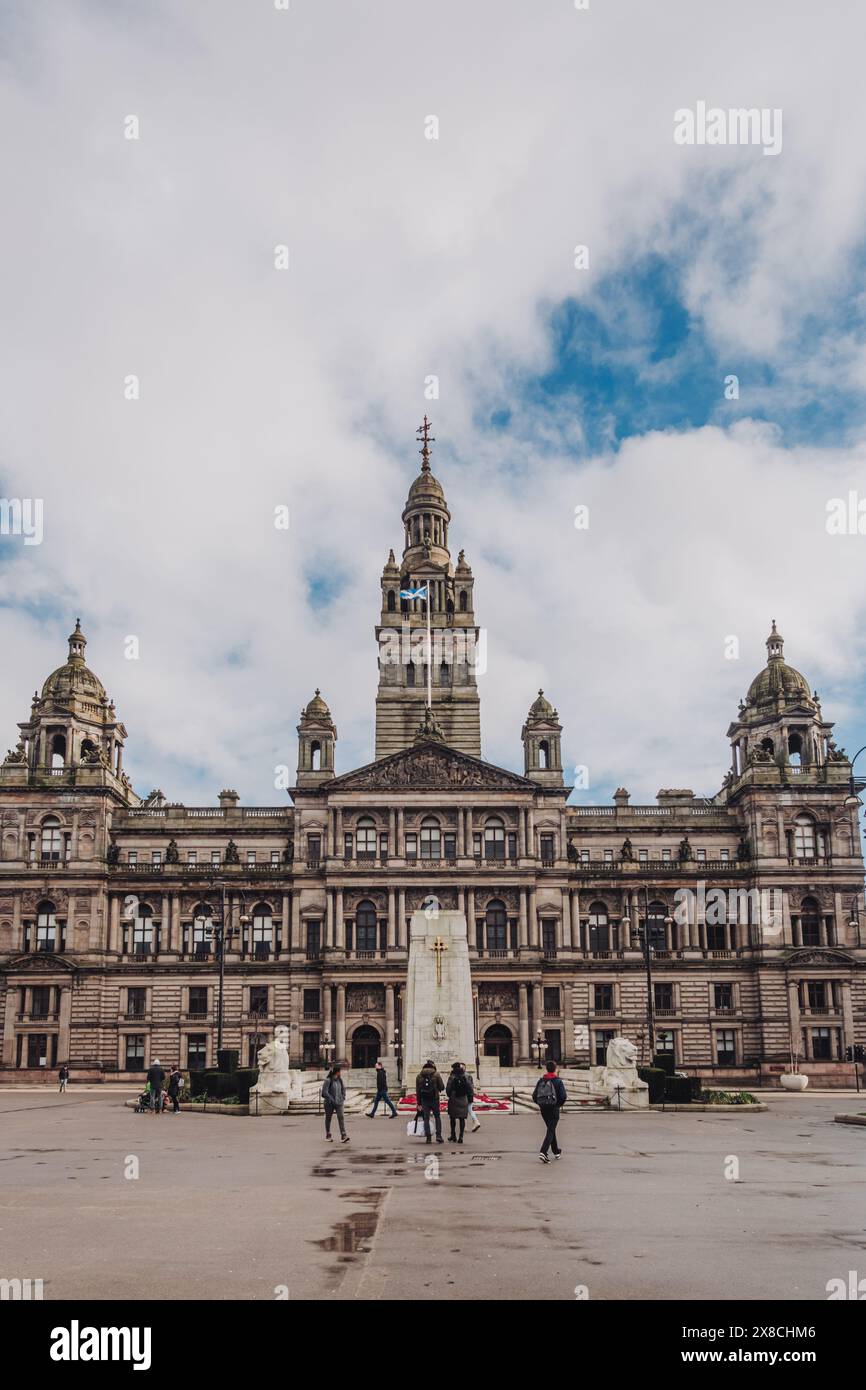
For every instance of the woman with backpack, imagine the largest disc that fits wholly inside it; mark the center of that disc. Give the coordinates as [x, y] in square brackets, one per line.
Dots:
[460, 1096]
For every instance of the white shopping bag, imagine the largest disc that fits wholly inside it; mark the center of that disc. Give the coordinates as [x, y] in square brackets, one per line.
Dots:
[415, 1128]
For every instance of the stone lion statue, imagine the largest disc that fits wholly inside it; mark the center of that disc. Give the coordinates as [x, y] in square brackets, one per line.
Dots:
[621, 1053]
[272, 1061]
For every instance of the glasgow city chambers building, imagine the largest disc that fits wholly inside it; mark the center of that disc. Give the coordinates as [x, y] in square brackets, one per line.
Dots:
[725, 930]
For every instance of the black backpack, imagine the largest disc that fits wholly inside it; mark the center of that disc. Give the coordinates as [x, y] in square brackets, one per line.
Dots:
[459, 1086]
[426, 1085]
[545, 1092]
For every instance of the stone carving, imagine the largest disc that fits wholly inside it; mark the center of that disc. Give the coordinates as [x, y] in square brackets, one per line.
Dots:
[277, 1084]
[760, 755]
[172, 854]
[18, 754]
[440, 1028]
[626, 852]
[685, 850]
[365, 999]
[430, 767]
[493, 998]
[232, 855]
[113, 853]
[618, 1078]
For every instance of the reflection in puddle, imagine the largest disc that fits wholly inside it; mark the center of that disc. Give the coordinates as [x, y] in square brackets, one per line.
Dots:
[352, 1236]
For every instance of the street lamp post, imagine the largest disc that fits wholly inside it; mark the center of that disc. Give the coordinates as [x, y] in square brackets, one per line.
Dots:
[327, 1049]
[397, 1048]
[222, 934]
[640, 940]
[539, 1047]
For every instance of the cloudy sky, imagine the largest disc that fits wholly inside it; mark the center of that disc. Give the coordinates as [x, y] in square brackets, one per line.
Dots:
[411, 257]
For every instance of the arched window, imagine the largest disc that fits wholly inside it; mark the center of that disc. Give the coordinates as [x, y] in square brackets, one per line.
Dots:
[46, 927]
[444, 674]
[795, 750]
[464, 601]
[494, 839]
[316, 756]
[142, 930]
[599, 927]
[768, 746]
[810, 923]
[410, 674]
[52, 843]
[263, 930]
[202, 929]
[58, 750]
[431, 838]
[655, 924]
[365, 838]
[804, 837]
[392, 601]
[543, 753]
[365, 926]
[496, 921]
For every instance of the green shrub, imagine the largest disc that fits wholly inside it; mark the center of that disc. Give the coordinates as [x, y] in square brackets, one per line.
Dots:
[227, 1059]
[666, 1062]
[197, 1085]
[678, 1090]
[655, 1078]
[728, 1098]
[244, 1078]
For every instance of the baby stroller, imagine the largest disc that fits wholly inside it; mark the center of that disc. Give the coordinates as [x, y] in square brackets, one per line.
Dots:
[143, 1103]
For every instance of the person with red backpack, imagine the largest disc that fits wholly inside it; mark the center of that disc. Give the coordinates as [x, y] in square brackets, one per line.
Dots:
[428, 1087]
[550, 1096]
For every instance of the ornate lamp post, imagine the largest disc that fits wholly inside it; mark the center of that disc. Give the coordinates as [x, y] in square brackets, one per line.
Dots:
[327, 1050]
[397, 1049]
[539, 1047]
[640, 940]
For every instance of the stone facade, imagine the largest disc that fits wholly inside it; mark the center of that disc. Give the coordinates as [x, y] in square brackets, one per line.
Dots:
[112, 907]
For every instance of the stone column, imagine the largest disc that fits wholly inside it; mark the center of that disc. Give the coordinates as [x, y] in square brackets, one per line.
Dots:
[847, 1016]
[794, 1010]
[295, 1047]
[340, 1039]
[338, 831]
[523, 1057]
[165, 924]
[521, 833]
[401, 918]
[400, 849]
[329, 917]
[389, 1017]
[339, 924]
[175, 936]
[392, 831]
[286, 933]
[114, 938]
[530, 833]
[470, 918]
[17, 935]
[392, 918]
[566, 919]
[532, 907]
[787, 937]
[522, 933]
[296, 941]
[469, 846]
[537, 1009]
[461, 836]
[64, 1030]
[327, 1018]
[9, 1026]
[568, 1051]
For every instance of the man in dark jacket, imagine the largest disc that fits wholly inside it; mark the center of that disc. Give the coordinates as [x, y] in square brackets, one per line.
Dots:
[382, 1093]
[550, 1096]
[460, 1096]
[334, 1095]
[156, 1077]
[175, 1082]
[63, 1077]
[428, 1088]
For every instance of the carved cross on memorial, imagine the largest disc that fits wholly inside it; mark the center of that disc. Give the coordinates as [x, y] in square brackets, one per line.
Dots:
[438, 946]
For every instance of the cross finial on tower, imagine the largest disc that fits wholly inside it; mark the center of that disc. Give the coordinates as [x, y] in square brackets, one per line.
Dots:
[425, 438]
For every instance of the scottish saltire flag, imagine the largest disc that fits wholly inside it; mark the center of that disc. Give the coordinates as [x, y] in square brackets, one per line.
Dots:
[414, 593]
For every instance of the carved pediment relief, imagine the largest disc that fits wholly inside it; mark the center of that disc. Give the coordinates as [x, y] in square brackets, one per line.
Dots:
[430, 767]
[39, 963]
[819, 957]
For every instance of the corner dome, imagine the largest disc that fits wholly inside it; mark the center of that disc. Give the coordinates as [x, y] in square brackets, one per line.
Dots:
[316, 709]
[74, 680]
[541, 708]
[778, 681]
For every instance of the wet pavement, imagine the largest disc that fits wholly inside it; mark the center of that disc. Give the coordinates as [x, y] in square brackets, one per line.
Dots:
[99, 1202]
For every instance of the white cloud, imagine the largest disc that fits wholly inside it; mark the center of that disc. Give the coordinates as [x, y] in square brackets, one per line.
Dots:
[408, 257]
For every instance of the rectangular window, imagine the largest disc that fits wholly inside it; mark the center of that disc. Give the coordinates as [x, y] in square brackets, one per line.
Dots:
[716, 937]
[383, 846]
[548, 937]
[816, 994]
[311, 1049]
[196, 1052]
[314, 940]
[476, 844]
[215, 856]
[642, 856]
[664, 996]
[259, 999]
[157, 857]
[666, 856]
[723, 997]
[136, 1002]
[412, 846]
[251, 856]
[512, 845]
[584, 856]
[40, 1003]
[192, 856]
[348, 841]
[314, 848]
[553, 1038]
[608, 856]
[665, 1041]
[702, 856]
[547, 850]
[551, 1000]
[135, 1051]
[132, 856]
[822, 1044]
[726, 1047]
[723, 855]
[198, 1001]
[603, 997]
[450, 845]
[275, 856]
[312, 1003]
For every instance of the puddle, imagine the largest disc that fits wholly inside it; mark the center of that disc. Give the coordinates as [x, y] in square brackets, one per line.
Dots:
[353, 1235]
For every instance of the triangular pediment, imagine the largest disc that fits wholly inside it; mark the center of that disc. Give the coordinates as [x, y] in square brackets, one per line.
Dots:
[430, 766]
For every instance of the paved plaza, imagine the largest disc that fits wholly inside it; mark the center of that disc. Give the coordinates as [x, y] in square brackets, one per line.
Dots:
[233, 1208]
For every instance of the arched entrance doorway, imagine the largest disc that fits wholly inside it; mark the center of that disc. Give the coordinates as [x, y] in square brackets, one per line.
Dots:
[365, 1047]
[498, 1042]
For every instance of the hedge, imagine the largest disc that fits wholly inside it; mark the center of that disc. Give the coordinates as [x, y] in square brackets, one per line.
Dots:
[655, 1078]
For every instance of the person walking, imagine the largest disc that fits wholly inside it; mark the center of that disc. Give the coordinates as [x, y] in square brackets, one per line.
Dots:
[550, 1096]
[382, 1093]
[334, 1096]
[473, 1113]
[156, 1078]
[460, 1096]
[428, 1088]
[175, 1086]
[63, 1076]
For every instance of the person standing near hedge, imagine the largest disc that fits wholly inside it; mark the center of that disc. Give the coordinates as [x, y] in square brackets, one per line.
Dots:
[550, 1096]
[334, 1096]
[156, 1080]
[175, 1083]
